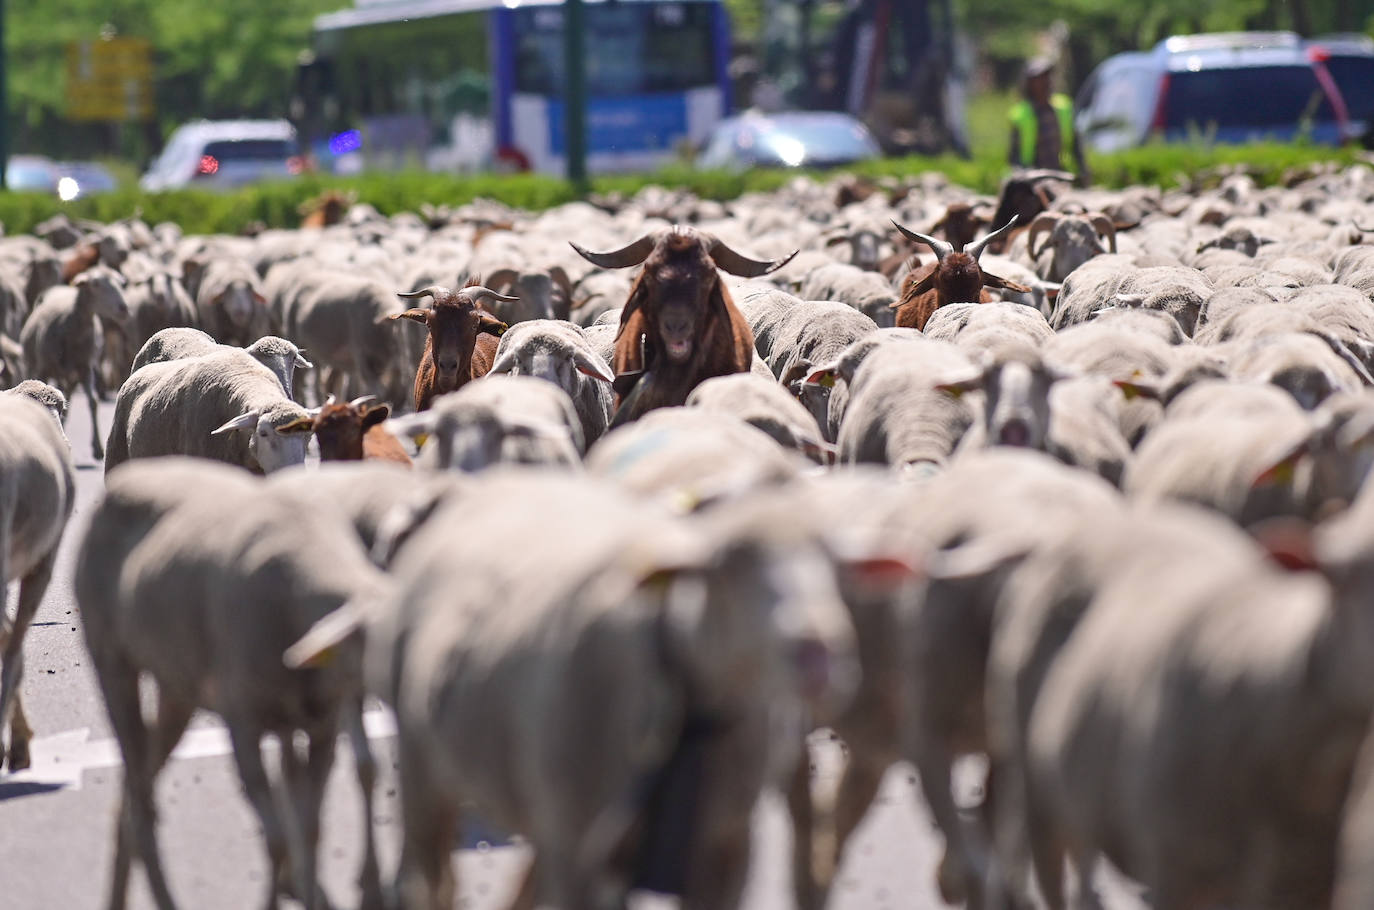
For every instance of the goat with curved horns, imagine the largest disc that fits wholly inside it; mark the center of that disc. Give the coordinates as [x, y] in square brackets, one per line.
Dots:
[679, 327]
[954, 277]
[462, 338]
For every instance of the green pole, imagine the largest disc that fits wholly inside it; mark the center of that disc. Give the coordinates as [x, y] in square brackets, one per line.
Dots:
[4, 107]
[575, 98]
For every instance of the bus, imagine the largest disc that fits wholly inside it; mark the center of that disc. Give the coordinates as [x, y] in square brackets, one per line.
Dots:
[475, 84]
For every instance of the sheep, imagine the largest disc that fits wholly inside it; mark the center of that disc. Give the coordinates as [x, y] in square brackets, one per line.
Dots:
[1073, 240]
[868, 292]
[197, 405]
[967, 323]
[62, 336]
[156, 302]
[499, 420]
[689, 456]
[277, 354]
[202, 577]
[1038, 608]
[1255, 466]
[597, 292]
[1355, 884]
[829, 382]
[1085, 427]
[343, 322]
[1310, 367]
[461, 341]
[764, 404]
[558, 352]
[1015, 383]
[1223, 654]
[809, 333]
[954, 277]
[897, 413]
[644, 640]
[36, 502]
[351, 432]
[1005, 502]
[1119, 354]
[229, 300]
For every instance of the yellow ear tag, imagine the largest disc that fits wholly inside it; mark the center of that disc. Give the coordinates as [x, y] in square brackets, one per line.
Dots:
[827, 381]
[420, 439]
[1130, 391]
[1280, 474]
[953, 391]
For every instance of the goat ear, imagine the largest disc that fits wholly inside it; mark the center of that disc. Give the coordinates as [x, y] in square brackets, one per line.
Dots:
[996, 281]
[925, 284]
[492, 326]
[375, 415]
[417, 314]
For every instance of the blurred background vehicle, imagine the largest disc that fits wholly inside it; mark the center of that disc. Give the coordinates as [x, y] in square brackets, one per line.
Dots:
[77, 179]
[472, 84]
[225, 153]
[31, 173]
[1230, 88]
[1349, 58]
[801, 139]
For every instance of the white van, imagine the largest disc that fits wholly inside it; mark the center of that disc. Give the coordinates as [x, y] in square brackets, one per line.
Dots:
[1209, 86]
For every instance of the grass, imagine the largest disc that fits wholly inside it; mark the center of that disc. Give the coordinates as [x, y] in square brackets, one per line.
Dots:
[276, 204]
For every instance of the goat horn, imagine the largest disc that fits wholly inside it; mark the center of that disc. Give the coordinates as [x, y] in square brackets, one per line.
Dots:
[361, 400]
[477, 294]
[433, 290]
[1043, 221]
[622, 258]
[977, 249]
[741, 265]
[1105, 227]
[941, 248]
[1364, 230]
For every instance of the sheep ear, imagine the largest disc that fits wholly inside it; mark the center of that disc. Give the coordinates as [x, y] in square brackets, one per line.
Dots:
[592, 366]
[1281, 471]
[823, 376]
[958, 388]
[259, 299]
[1133, 389]
[414, 426]
[299, 425]
[375, 415]
[995, 281]
[418, 314]
[1288, 541]
[318, 646]
[975, 560]
[242, 422]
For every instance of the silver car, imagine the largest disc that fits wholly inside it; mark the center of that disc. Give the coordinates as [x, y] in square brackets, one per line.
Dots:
[225, 153]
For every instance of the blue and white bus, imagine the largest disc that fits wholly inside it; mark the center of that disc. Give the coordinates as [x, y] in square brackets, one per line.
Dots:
[467, 84]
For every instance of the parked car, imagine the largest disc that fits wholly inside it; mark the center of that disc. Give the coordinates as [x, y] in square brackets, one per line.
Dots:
[225, 153]
[83, 178]
[1350, 60]
[31, 173]
[1232, 87]
[811, 139]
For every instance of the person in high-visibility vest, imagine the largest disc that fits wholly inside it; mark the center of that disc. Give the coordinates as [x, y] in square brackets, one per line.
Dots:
[1042, 130]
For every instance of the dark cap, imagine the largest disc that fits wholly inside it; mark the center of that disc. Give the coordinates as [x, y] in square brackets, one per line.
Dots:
[1040, 66]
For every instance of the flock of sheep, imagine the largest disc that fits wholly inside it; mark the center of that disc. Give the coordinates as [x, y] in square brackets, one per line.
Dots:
[612, 525]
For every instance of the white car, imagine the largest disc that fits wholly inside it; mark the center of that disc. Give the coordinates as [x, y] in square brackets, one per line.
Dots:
[225, 153]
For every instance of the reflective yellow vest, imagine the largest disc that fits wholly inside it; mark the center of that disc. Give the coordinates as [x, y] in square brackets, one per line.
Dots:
[1027, 125]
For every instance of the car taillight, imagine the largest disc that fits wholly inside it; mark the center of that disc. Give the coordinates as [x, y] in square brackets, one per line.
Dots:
[209, 164]
[1161, 105]
[509, 157]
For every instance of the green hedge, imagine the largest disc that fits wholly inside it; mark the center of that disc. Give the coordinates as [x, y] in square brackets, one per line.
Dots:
[276, 204]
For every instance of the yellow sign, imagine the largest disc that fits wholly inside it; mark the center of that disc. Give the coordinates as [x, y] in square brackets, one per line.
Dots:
[110, 79]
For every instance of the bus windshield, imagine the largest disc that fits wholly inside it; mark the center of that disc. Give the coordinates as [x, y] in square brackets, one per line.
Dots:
[632, 49]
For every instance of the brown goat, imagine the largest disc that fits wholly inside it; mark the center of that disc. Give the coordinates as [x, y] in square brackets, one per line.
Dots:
[328, 208]
[679, 326]
[352, 432]
[461, 345]
[954, 277]
[79, 260]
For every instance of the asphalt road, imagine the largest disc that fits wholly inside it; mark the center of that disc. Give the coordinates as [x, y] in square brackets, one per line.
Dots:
[57, 819]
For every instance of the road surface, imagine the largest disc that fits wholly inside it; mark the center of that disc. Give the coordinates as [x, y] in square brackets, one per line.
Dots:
[56, 820]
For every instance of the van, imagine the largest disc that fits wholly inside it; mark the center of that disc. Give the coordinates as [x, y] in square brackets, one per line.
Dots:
[1230, 87]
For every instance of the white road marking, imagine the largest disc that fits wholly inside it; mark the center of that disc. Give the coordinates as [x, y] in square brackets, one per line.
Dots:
[62, 759]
